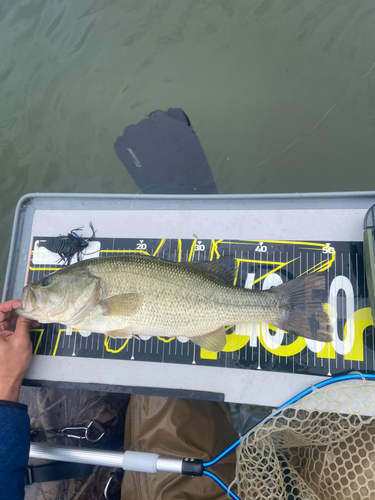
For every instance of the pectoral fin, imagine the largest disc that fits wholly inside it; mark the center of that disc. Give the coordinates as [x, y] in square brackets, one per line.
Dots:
[126, 304]
[214, 341]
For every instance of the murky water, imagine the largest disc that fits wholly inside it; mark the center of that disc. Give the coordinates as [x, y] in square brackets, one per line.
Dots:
[281, 94]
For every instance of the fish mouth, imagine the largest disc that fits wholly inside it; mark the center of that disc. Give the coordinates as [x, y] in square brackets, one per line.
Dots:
[32, 301]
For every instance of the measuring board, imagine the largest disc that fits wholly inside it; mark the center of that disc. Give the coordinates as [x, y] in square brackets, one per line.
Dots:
[268, 246]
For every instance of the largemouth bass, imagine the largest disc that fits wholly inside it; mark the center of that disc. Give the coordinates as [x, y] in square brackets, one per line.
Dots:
[132, 295]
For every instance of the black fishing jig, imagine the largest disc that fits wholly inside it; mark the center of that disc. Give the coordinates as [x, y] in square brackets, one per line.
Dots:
[68, 246]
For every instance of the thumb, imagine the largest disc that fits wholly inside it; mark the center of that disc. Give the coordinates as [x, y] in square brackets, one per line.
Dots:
[21, 332]
[23, 322]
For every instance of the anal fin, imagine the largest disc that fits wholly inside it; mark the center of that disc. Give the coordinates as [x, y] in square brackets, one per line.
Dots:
[214, 341]
[119, 334]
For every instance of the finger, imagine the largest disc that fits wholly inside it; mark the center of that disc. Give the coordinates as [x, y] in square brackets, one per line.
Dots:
[21, 334]
[6, 335]
[10, 317]
[13, 322]
[7, 307]
[4, 326]
[10, 305]
[4, 316]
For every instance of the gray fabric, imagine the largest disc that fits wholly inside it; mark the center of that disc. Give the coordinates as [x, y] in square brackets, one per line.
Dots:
[178, 428]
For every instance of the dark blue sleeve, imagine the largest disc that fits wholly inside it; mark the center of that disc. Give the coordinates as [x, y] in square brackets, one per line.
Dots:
[14, 449]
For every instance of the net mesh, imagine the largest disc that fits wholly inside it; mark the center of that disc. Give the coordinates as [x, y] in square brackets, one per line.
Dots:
[320, 447]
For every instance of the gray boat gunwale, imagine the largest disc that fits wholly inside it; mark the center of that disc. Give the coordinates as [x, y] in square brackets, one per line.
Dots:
[29, 203]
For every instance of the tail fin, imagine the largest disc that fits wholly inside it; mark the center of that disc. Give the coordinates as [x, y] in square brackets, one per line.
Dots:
[302, 300]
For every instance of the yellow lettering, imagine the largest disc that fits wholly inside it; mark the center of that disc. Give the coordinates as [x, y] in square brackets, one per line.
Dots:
[362, 319]
[327, 352]
[234, 343]
[285, 350]
[208, 354]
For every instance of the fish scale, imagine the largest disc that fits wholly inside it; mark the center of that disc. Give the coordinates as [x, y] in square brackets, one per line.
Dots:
[179, 301]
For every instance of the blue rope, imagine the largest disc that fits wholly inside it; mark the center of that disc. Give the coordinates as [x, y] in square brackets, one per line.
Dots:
[220, 483]
[342, 378]
[219, 457]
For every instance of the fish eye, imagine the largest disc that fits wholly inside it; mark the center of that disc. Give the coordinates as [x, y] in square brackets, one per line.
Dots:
[47, 280]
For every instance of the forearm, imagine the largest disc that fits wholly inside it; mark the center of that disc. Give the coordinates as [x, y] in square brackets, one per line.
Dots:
[15, 357]
[14, 449]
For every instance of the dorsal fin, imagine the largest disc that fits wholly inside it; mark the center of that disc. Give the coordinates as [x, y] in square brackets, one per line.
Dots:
[221, 269]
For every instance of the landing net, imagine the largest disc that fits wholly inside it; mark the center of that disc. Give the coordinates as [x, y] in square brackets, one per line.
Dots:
[321, 446]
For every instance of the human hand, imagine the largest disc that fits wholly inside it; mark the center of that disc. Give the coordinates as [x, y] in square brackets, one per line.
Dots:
[15, 350]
